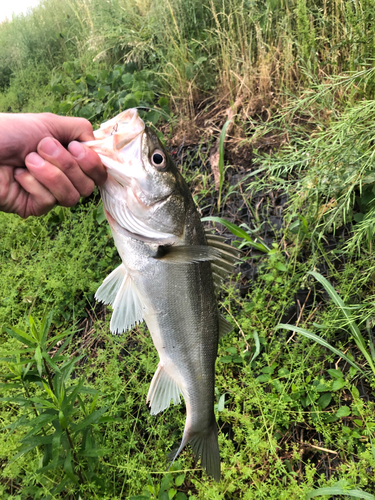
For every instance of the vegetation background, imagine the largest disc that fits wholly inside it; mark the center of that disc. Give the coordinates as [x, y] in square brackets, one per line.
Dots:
[295, 190]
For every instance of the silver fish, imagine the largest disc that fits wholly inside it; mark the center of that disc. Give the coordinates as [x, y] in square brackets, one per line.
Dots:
[166, 277]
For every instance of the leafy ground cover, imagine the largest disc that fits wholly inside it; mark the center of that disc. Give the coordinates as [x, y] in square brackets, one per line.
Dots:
[292, 83]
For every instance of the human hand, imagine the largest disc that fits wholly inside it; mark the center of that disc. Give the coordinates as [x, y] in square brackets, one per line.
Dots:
[37, 171]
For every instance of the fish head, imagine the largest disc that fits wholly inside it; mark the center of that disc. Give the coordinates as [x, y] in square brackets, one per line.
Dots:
[145, 193]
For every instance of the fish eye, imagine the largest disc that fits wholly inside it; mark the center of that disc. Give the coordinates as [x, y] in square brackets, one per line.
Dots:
[158, 159]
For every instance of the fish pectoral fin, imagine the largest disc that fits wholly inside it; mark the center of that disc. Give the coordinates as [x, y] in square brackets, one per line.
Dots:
[224, 326]
[119, 290]
[162, 389]
[186, 254]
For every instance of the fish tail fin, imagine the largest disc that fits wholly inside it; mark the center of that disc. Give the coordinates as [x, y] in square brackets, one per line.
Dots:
[206, 447]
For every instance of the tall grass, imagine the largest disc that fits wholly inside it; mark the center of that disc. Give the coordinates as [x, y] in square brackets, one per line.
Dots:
[237, 46]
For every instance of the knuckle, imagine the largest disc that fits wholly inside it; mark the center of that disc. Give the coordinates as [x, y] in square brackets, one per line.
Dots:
[68, 164]
[70, 200]
[85, 124]
[87, 190]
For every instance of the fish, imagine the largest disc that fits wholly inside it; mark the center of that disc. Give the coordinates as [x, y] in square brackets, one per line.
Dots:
[168, 276]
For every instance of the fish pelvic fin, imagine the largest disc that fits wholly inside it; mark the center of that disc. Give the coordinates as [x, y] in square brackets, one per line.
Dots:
[206, 447]
[119, 290]
[162, 390]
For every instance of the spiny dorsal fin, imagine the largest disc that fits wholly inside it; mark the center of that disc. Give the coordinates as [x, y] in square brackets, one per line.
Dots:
[223, 266]
[186, 254]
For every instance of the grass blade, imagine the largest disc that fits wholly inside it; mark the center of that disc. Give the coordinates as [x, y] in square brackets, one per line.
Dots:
[237, 231]
[319, 340]
[358, 338]
[257, 346]
[338, 490]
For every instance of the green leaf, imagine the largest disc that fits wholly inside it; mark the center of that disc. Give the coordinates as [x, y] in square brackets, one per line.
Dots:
[100, 215]
[164, 103]
[319, 340]
[37, 440]
[62, 420]
[68, 466]
[127, 80]
[280, 266]
[221, 403]
[179, 480]
[45, 325]
[324, 400]
[338, 384]
[58, 89]
[93, 418]
[343, 411]
[171, 493]
[232, 350]
[225, 359]
[130, 101]
[335, 373]
[56, 445]
[21, 336]
[50, 362]
[181, 496]
[39, 422]
[50, 393]
[38, 359]
[90, 80]
[86, 112]
[61, 486]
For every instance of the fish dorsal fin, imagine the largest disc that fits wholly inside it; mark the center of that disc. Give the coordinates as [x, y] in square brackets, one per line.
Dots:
[231, 254]
[162, 390]
[223, 266]
[119, 290]
[224, 326]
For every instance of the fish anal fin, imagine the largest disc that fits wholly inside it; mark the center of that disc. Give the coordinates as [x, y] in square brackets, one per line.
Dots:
[224, 326]
[162, 390]
[119, 290]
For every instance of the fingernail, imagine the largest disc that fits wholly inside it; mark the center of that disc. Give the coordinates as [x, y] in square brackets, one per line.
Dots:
[76, 149]
[18, 171]
[48, 146]
[35, 160]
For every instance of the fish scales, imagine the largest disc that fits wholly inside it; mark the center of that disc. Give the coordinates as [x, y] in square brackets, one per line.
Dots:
[165, 277]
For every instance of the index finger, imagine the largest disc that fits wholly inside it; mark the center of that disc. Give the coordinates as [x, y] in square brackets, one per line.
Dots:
[66, 128]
